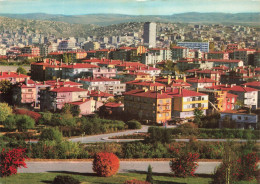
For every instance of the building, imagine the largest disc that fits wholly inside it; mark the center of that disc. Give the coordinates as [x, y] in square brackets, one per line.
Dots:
[149, 106]
[242, 119]
[91, 46]
[13, 77]
[255, 85]
[248, 96]
[150, 85]
[179, 52]
[150, 34]
[185, 101]
[201, 82]
[246, 55]
[202, 46]
[107, 85]
[257, 59]
[218, 55]
[54, 99]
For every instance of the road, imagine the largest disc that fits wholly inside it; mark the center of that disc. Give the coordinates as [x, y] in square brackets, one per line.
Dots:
[125, 166]
[12, 68]
[104, 137]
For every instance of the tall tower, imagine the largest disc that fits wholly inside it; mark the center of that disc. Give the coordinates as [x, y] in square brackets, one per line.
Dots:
[150, 34]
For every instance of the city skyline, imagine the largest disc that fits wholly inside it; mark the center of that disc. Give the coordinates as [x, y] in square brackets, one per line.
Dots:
[128, 7]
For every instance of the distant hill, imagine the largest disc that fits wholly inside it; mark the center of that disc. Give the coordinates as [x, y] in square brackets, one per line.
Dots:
[109, 19]
[46, 27]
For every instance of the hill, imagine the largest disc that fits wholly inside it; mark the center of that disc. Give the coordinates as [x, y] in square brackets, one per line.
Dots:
[108, 19]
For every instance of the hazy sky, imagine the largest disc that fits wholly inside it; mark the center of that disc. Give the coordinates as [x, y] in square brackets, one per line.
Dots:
[133, 7]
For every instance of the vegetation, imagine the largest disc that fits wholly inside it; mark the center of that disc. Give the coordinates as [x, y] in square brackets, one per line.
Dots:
[61, 179]
[51, 134]
[105, 164]
[184, 165]
[11, 160]
[21, 70]
[5, 111]
[149, 177]
[133, 124]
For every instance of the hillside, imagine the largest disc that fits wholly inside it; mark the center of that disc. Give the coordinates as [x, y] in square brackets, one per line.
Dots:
[108, 19]
[60, 29]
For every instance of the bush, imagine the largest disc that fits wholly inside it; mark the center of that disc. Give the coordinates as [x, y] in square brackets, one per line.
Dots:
[11, 160]
[185, 165]
[24, 122]
[134, 181]
[51, 134]
[60, 179]
[105, 164]
[133, 124]
[34, 115]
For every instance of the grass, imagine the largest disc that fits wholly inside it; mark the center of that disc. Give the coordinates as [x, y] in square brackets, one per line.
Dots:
[92, 178]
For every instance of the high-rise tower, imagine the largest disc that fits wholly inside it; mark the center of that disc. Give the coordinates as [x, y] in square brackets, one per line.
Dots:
[150, 34]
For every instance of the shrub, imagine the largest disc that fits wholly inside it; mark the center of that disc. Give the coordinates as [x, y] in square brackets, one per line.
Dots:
[5, 110]
[51, 134]
[105, 164]
[185, 165]
[134, 181]
[24, 122]
[11, 160]
[149, 176]
[34, 115]
[133, 124]
[60, 179]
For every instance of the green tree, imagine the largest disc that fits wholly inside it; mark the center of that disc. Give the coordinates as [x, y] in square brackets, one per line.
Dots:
[45, 118]
[10, 122]
[5, 86]
[66, 108]
[21, 70]
[65, 58]
[239, 104]
[149, 176]
[51, 134]
[24, 122]
[71, 109]
[5, 111]
[198, 114]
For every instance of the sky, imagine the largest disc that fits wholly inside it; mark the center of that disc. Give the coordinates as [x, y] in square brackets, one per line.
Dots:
[130, 7]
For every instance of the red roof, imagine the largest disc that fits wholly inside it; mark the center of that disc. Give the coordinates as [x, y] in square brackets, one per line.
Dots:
[178, 47]
[208, 71]
[60, 83]
[148, 94]
[12, 75]
[254, 84]
[79, 102]
[200, 80]
[224, 60]
[229, 95]
[137, 73]
[192, 70]
[56, 53]
[80, 65]
[242, 89]
[68, 89]
[146, 83]
[99, 94]
[100, 79]
[184, 93]
[113, 104]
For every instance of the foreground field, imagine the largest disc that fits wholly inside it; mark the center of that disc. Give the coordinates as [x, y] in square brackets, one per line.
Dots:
[92, 178]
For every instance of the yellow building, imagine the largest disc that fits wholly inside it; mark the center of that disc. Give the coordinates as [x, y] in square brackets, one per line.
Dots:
[185, 101]
[149, 106]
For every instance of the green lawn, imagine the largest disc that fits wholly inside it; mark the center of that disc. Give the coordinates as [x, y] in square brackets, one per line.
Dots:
[91, 178]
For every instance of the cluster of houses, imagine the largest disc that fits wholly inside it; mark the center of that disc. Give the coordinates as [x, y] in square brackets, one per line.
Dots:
[215, 84]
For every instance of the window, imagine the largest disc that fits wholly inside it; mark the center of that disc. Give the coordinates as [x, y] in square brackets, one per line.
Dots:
[160, 101]
[29, 90]
[239, 117]
[159, 115]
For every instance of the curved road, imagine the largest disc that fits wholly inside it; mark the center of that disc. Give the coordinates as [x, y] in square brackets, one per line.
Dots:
[125, 166]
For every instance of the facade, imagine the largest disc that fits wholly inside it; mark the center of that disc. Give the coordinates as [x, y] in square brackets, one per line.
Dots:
[202, 46]
[255, 85]
[150, 34]
[103, 72]
[107, 85]
[151, 106]
[246, 55]
[257, 59]
[55, 99]
[150, 85]
[243, 120]
[185, 101]
[179, 52]
[249, 96]
[13, 77]
[217, 55]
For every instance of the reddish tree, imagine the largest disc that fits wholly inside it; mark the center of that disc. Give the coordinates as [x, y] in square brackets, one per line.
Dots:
[185, 165]
[11, 160]
[36, 116]
[105, 164]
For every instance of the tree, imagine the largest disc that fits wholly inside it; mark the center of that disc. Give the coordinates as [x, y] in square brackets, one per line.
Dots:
[24, 122]
[149, 176]
[10, 122]
[6, 90]
[185, 164]
[21, 70]
[239, 104]
[105, 164]
[11, 160]
[45, 118]
[5, 111]
[71, 109]
[133, 124]
[51, 134]
[198, 114]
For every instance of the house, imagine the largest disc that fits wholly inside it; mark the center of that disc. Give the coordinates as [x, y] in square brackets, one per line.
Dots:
[131, 76]
[76, 70]
[217, 55]
[54, 99]
[185, 101]
[173, 83]
[242, 119]
[86, 106]
[13, 77]
[201, 82]
[150, 85]
[107, 85]
[100, 96]
[114, 107]
[249, 96]
[255, 85]
[150, 106]
[103, 72]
